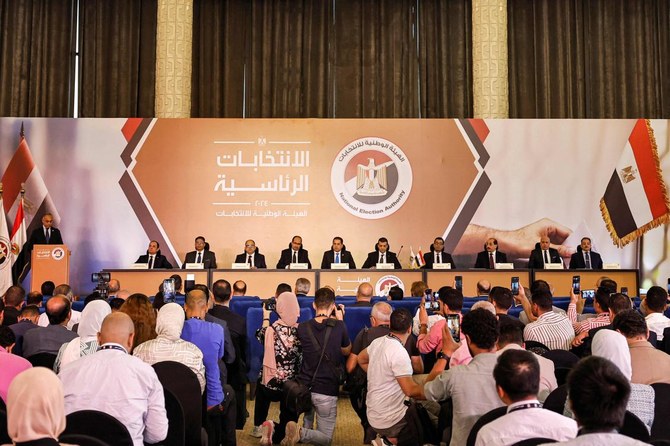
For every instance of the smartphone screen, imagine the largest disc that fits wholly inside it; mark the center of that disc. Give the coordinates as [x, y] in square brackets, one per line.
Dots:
[428, 300]
[168, 291]
[668, 285]
[454, 325]
[515, 286]
[588, 294]
[576, 284]
[459, 283]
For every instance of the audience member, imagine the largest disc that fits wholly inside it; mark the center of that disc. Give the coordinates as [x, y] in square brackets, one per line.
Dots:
[14, 299]
[168, 345]
[113, 287]
[483, 288]
[601, 307]
[450, 301]
[649, 364]
[302, 287]
[34, 298]
[536, 287]
[501, 298]
[49, 339]
[282, 288]
[618, 302]
[612, 345]
[380, 317]
[326, 383]
[364, 295]
[116, 304]
[228, 346]
[598, 394]
[486, 305]
[434, 316]
[10, 364]
[418, 288]
[517, 377]
[47, 288]
[95, 295]
[177, 286]
[653, 306]
[511, 338]
[389, 373]
[282, 356]
[551, 329]
[237, 326]
[66, 291]
[142, 313]
[87, 342]
[471, 387]
[239, 288]
[114, 382]
[209, 338]
[35, 412]
[396, 293]
[124, 294]
[27, 321]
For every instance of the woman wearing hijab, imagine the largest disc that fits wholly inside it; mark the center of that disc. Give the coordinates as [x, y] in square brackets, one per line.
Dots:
[612, 345]
[168, 345]
[87, 342]
[282, 357]
[35, 408]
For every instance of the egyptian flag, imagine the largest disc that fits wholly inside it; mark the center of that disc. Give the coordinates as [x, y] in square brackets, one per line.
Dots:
[20, 257]
[5, 254]
[417, 259]
[636, 198]
[37, 201]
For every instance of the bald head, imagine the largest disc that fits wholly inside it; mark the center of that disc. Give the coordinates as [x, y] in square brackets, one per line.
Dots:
[196, 304]
[58, 310]
[364, 292]
[118, 328]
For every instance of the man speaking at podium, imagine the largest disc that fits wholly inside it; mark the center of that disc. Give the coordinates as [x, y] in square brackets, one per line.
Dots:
[46, 234]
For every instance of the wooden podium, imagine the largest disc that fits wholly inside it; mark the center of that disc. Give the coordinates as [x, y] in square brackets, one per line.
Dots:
[49, 262]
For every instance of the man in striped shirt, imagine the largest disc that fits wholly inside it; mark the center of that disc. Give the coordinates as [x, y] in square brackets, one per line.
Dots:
[551, 329]
[601, 307]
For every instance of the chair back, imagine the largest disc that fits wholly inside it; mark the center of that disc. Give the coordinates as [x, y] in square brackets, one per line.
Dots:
[4, 434]
[562, 358]
[556, 399]
[660, 429]
[536, 347]
[665, 343]
[181, 382]
[242, 306]
[484, 420]
[43, 360]
[633, 427]
[82, 440]
[356, 318]
[176, 425]
[100, 425]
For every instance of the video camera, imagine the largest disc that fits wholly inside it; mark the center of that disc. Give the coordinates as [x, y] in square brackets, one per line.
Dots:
[102, 280]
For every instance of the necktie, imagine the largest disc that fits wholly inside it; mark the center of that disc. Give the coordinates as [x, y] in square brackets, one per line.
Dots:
[151, 262]
[199, 260]
[383, 258]
[546, 257]
[337, 257]
[295, 257]
[587, 260]
[492, 263]
[48, 236]
[249, 260]
[438, 258]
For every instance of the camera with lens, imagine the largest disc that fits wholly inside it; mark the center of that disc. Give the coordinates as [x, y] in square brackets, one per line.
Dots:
[270, 304]
[102, 280]
[337, 307]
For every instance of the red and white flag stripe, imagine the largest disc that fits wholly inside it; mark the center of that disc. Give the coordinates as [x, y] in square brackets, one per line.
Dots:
[18, 232]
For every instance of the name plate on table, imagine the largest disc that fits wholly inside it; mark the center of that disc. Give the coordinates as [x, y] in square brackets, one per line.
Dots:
[553, 266]
[194, 266]
[240, 266]
[298, 266]
[385, 266]
[504, 265]
[139, 266]
[441, 265]
[611, 266]
[339, 266]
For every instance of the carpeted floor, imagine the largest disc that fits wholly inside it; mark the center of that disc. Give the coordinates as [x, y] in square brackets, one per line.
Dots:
[348, 430]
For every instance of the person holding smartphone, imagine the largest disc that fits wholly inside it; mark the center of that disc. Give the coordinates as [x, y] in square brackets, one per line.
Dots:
[601, 307]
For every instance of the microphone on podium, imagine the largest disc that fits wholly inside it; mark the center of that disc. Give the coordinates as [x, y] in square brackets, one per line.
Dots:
[400, 250]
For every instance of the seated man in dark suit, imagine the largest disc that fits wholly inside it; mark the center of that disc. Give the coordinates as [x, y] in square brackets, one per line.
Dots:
[154, 258]
[490, 256]
[543, 254]
[295, 253]
[338, 254]
[49, 339]
[381, 254]
[252, 256]
[202, 254]
[437, 255]
[584, 258]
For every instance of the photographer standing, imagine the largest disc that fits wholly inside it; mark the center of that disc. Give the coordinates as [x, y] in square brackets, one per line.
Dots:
[312, 334]
[281, 361]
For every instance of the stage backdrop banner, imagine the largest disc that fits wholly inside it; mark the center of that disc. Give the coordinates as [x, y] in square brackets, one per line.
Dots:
[117, 183]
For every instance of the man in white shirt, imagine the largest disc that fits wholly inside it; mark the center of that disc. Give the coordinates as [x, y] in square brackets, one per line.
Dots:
[114, 382]
[517, 376]
[64, 290]
[389, 370]
[653, 307]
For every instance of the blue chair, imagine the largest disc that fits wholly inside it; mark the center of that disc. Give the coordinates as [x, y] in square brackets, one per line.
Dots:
[255, 348]
[78, 305]
[242, 306]
[410, 304]
[355, 318]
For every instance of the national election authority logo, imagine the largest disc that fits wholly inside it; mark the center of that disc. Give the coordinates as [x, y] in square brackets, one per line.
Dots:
[5, 252]
[371, 178]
